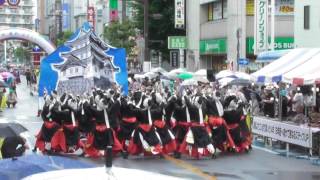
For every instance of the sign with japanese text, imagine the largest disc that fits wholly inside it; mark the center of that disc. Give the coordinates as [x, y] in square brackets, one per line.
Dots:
[261, 26]
[174, 59]
[179, 13]
[13, 2]
[91, 16]
[282, 131]
[177, 42]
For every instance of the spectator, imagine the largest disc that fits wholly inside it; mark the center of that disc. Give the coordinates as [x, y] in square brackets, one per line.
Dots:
[28, 77]
[297, 102]
[11, 99]
[12, 147]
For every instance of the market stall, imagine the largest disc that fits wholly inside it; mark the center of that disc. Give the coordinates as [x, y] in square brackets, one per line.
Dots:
[294, 78]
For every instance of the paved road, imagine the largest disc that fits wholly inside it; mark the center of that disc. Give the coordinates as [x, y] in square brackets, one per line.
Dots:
[259, 164]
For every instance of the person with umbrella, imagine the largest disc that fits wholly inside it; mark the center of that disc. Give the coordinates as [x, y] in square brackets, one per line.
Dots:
[13, 146]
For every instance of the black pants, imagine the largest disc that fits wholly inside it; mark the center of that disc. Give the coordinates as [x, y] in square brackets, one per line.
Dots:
[13, 104]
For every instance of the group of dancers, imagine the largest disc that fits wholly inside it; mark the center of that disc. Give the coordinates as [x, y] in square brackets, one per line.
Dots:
[145, 121]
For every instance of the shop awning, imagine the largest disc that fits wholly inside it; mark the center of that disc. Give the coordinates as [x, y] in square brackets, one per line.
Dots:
[274, 71]
[270, 56]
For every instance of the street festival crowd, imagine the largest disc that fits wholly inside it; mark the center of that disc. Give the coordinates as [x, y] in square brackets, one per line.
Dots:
[153, 120]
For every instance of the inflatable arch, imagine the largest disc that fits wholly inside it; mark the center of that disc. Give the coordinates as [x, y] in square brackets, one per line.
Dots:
[26, 34]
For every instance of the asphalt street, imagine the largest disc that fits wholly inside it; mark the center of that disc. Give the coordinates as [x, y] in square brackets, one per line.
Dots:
[259, 164]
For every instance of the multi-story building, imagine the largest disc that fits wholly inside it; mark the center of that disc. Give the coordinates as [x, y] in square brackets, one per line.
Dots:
[306, 27]
[21, 15]
[221, 31]
[73, 13]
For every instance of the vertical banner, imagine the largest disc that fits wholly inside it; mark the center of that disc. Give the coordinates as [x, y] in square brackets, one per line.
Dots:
[2, 2]
[114, 14]
[65, 16]
[261, 26]
[91, 16]
[179, 13]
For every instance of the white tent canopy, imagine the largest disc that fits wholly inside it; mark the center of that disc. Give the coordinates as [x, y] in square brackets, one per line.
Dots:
[307, 73]
[291, 61]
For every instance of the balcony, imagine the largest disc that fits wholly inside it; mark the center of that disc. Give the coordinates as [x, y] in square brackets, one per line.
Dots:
[15, 21]
[17, 11]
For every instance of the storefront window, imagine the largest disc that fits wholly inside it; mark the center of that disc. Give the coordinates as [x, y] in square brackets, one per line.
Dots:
[210, 12]
[217, 10]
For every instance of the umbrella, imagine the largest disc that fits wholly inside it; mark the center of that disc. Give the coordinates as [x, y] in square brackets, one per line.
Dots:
[34, 163]
[242, 75]
[185, 75]
[224, 81]
[201, 79]
[189, 82]
[201, 72]
[243, 82]
[139, 76]
[3, 84]
[151, 75]
[159, 70]
[11, 129]
[178, 71]
[171, 76]
[224, 73]
[116, 173]
[7, 75]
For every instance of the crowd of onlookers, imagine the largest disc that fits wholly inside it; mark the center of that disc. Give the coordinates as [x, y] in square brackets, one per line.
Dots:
[297, 102]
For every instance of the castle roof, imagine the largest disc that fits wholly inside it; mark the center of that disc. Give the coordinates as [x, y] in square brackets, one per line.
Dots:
[71, 62]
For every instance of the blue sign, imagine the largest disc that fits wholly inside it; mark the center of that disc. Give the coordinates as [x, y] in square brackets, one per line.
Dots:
[13, 2]
[243, 61]
[36, 49]
[65, 16]
[2, 2]
[77, 67]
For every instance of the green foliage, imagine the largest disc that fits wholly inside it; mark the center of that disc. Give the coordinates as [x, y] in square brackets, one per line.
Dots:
[21, 54]
[120, 35]
[161, 24]
[63, 37]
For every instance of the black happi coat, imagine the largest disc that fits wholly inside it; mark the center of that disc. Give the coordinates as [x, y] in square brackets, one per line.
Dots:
[211, 107]
[127, 111]
[157, 114]
[149, 136]
[200, 134]
[180, 115]
[84, 116]
[103, 138]
[47, 133]
[71, 134]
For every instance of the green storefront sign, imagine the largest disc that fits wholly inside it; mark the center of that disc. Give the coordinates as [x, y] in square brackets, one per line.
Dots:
[219, 46]
[177, 42]
[213, 46]
[280, 43]
[113, 4]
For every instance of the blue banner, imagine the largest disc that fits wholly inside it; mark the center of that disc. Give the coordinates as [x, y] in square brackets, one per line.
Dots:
[82, 63]
[65, 16]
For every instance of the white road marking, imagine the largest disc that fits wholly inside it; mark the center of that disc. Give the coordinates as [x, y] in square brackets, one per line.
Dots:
[3, 120]
[21, 117]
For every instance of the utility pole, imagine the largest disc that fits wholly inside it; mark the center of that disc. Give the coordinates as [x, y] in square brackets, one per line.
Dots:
[124, 10]
[146, 31]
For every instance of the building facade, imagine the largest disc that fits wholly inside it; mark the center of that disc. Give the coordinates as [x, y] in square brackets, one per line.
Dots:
[307, 27]
[71, 14]
[22, 14]
[226, 32]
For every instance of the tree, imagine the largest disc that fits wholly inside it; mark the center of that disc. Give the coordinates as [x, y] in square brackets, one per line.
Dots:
[121, 34]
[21, 54]
[63, 37]
[161, 24]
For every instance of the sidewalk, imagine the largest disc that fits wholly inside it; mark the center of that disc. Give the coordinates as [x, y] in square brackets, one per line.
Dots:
[25, 112]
